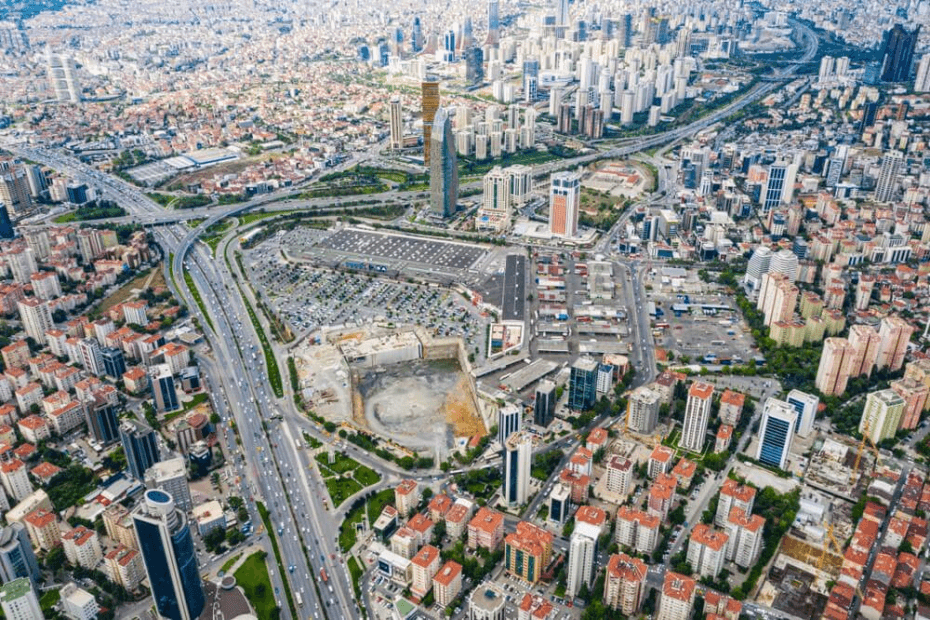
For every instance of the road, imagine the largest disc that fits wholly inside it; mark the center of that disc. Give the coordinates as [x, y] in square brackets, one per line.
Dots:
[276, 470]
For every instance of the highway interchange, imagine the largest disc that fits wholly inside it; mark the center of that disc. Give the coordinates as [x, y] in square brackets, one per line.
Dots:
[271, 466]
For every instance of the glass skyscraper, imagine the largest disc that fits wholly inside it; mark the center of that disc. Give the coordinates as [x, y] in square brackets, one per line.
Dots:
[168, 553]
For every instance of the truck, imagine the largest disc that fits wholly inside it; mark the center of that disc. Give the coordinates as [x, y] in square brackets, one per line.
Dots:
[300, 601]
[323, 575]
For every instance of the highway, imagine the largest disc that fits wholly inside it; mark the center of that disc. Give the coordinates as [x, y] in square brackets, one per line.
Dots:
[277, 471]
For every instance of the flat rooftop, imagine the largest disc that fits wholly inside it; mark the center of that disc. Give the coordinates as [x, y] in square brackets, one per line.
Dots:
[398, 248]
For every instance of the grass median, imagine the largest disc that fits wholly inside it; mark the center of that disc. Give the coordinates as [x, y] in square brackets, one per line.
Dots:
[266, 519]
[254, 579]
[274, 373]
[195, 292]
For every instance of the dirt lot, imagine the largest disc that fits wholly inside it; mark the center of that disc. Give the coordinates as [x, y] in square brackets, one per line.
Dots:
[154, 278]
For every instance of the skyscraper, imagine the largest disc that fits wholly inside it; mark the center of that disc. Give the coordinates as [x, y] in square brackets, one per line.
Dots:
[168, 553]
[416, 36]
[882, 415]
[494, 22]
[898, 53]
[642, 412]
[833, 371]
[582, 552]
[697, 413]
[888, 176]
[6, 225]
[582, 384]
[443, 166]
[544, 405]
[894, 336]
[806, 405]
[564, 204]
[429, 104]
[922, 80]
[561, 13]
[397, 124]
[14, 187]
[474, 66]
[17, 558]
[140, 445]
[102, 421]
[776, 432]
[518, 459]
[166, 396]
[509, 421]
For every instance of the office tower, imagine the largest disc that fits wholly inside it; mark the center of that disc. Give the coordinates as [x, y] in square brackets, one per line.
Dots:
[6, 224]
[758, 265]
[677, 598]
[779, 420]
[474, 66]
[895, 335]
[170, 560]
[560, 502]
[582, 384]
[561, 13]
[564, 204]
[397, 124]
[91, 357]
[707, 550]
[806, 406]
[785, 262]
[780, 186]
[882, 415]
[888, 176]
[171, 476]
[582, 554]
[17, 558]
[697, 413]
[833, 371]
[914, 393]
[14, 187]
[163, 390]
[114, 364]
[898, 53]
[544, 404]
[625, 585]
[19, 601]
[642, 413]
[443, 166]
[102, 421]
[509, 421]
[140, 445]
[448, 46]
[429, 104]
[624, 32]
[530, 72]
[62, 77]
[416, 36]
[496, 205]
[36, 317]
[922, 81]
[826, 69]
[494, 23]
[518, 459]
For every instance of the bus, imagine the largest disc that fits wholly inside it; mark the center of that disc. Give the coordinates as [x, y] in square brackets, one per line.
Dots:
[300, 601]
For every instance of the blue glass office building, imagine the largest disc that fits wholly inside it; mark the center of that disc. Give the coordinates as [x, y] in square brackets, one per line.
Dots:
[778, 422]
[168, 553]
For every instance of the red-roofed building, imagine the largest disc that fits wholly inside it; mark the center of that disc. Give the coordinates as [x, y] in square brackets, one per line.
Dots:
[439, 506]
[597, 439]
[82, 547]
[534, 607]
[43, 529]
[486, 529]
[731, 407]
[527, 551]
[684, 472]
[625, 584]
[447, 583]
[677, 598]
[44, 472]
[660, 461]
[425, 564]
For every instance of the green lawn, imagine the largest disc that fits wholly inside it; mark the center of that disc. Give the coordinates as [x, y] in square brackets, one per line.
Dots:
[347, 536]
[228, 564]
[341, 463]
[366, 476]
[196, 400]
[253, 577]
[49, 600]
[341, 489]
[377, 503]
[256, 216]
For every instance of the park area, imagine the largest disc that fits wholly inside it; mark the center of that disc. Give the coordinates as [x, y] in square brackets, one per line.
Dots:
[344, 476]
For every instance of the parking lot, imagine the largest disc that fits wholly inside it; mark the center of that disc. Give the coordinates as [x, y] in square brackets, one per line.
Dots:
[308, 298]
[397, 248]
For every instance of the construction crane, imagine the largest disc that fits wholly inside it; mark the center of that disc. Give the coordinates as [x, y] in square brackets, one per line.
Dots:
[862, 442]
[826, 547]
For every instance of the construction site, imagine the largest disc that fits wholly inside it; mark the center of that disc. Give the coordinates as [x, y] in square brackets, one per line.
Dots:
[397, 382]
